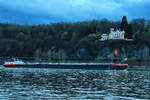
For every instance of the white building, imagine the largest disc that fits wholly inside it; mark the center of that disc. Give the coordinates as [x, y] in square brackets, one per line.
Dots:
[104, 37]
[113, 35]
[116, 34]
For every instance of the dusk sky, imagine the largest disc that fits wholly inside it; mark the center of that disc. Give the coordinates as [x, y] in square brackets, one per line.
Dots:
[48, 11]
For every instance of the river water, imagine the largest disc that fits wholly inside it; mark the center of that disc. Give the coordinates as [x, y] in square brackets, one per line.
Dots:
[57, 84]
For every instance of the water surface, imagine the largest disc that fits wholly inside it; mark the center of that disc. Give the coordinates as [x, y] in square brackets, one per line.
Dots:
[74, 84]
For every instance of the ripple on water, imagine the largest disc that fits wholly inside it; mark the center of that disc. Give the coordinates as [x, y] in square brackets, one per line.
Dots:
[74, 84]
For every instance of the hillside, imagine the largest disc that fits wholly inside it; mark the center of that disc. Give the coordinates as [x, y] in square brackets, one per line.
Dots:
[80, 40]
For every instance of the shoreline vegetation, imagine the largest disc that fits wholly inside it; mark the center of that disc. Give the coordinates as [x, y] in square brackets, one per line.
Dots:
[79, 40]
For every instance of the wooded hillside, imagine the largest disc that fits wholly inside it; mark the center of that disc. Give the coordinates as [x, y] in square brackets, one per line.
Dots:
[74, 40]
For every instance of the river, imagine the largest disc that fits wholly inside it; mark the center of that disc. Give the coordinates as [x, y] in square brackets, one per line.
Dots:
[58, 84]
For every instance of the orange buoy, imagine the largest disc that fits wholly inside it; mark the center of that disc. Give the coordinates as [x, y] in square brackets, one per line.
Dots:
[116, 52]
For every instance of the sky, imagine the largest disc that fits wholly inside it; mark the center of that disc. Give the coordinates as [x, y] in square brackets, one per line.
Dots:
[50, 11]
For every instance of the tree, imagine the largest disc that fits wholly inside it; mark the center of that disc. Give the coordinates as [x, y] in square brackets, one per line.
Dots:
[126, 27]
[138, 25]
[49, 53]
[124, 24]
[38, 54]
[148, 26]
[1, 35]
[129, 33]
[65, 36]
[74, 36]
[20, 36]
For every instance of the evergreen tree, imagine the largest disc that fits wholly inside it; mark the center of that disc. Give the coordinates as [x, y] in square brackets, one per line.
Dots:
[126, 27]
[124, 23]
[129, 32]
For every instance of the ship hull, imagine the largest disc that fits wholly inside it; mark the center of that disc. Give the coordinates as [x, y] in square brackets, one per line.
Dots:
[71, 66]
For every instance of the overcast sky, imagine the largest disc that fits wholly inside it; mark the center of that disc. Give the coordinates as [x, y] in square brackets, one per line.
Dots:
[47, 11]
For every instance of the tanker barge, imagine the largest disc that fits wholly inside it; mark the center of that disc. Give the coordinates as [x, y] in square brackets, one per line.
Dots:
[94, 66]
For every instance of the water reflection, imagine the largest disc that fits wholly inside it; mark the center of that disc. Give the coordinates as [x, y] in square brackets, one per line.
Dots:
[74, 84]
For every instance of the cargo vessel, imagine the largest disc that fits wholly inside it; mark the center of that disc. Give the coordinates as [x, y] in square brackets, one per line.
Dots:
[97, 66]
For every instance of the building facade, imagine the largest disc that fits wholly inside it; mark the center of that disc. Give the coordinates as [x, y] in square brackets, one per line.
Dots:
[113, 35]
[116, 34]
[104, 37]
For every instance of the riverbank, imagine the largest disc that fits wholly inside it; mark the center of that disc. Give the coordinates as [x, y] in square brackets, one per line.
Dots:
[138, 69]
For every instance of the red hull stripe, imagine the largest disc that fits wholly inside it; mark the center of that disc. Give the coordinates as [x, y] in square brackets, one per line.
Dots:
[9, 64]
[119, 64]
